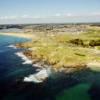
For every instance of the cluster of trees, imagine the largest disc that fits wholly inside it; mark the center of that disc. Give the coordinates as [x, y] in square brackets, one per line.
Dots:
[94, 43]
[77, 42]
[80, 42]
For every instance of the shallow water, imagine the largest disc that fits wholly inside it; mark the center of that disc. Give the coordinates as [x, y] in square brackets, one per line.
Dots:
[76, 86]
[78, 92]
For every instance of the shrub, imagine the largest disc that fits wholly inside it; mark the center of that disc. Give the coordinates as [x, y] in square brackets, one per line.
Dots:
[94, 43]
[77, 42]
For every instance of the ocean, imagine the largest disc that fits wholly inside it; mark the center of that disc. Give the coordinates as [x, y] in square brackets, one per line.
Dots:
[83, 85]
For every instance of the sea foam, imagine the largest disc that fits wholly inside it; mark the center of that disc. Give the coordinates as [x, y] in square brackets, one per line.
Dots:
[12, 46]
[38, 77]
[24, 58]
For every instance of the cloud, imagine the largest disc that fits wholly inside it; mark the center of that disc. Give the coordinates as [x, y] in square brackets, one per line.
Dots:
[68, 15]
[14, 17]
[56, 16]
[21, 17]
[75, 15]
[8, 17]
[25, 16]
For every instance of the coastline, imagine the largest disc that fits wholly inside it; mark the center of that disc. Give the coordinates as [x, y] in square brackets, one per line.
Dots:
[20, 35]
[95, 66]
[41, 75]
[28, 60]
[12, 46]
[24, 58]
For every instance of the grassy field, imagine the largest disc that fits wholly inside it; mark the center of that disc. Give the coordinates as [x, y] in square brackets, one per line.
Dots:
[64, 50]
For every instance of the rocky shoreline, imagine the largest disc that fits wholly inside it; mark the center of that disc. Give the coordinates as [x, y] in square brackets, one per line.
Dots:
[65, 53]
[40, 76]
[41, 64]
[43, 67]
[66, 69]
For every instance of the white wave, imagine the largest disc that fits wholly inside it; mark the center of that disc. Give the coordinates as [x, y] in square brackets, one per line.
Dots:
[38, 77]
[12, 46]
[37, 65]
[24, 58]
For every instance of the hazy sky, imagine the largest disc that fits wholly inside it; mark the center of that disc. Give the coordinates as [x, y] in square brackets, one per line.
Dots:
[49, 11]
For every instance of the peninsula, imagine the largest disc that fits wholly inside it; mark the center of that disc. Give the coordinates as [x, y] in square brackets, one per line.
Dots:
[63, 47]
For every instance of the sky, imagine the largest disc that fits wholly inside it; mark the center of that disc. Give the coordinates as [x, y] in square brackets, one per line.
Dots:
[49, 11]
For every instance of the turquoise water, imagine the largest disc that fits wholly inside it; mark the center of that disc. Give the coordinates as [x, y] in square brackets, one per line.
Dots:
[84, 85]
[78, 92]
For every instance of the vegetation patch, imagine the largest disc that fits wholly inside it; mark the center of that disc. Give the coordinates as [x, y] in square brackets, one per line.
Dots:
[62, 51]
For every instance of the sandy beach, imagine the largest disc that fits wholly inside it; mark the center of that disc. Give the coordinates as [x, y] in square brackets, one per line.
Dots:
[23, 35]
